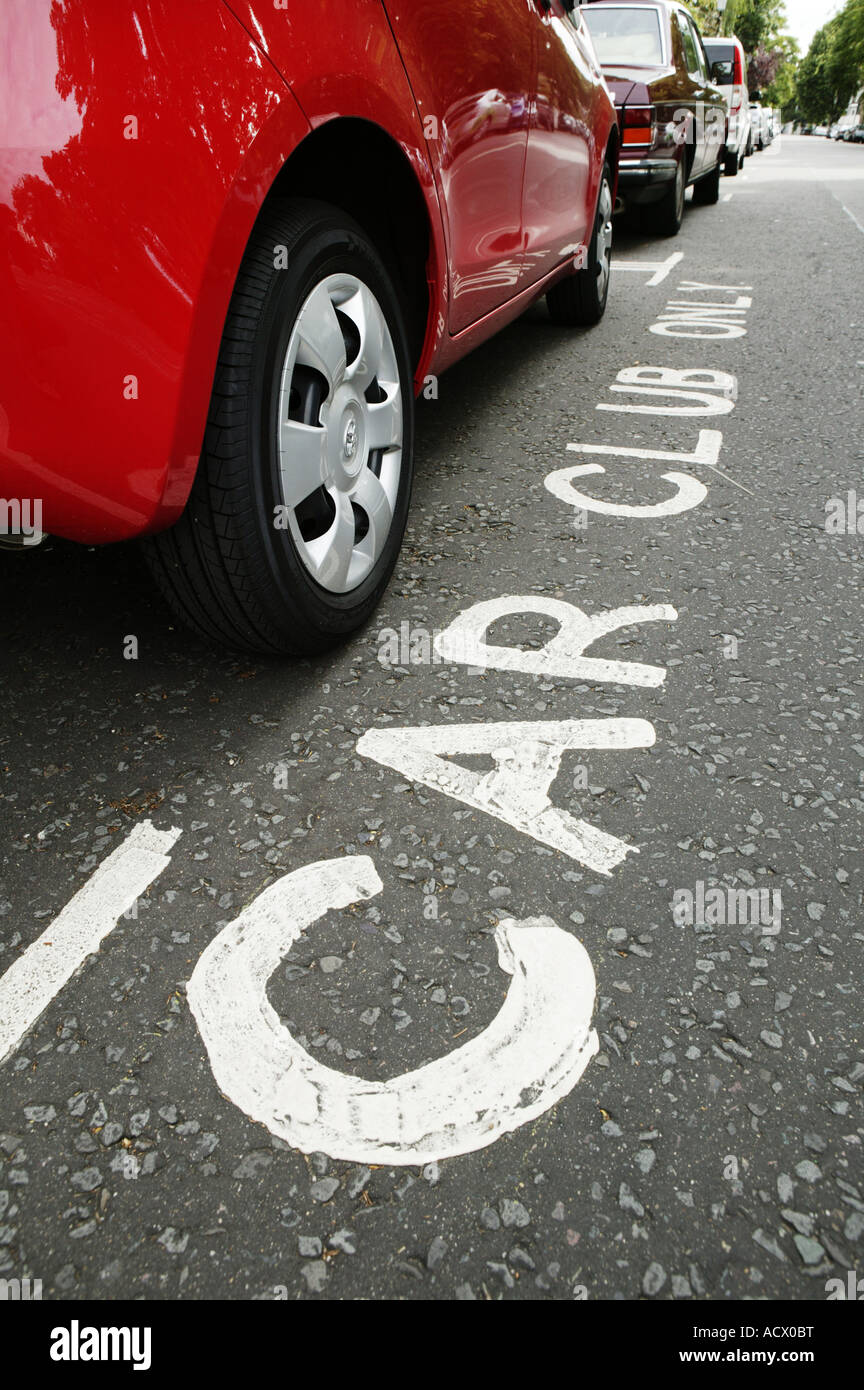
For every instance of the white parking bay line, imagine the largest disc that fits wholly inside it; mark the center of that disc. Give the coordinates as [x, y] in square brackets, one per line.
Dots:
[853, 217]
[660, 268]
[33, 980]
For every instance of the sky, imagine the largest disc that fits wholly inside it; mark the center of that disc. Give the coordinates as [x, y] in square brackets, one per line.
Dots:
[804, 17]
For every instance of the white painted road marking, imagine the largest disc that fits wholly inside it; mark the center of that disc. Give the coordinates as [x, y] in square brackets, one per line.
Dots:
[700, 402]
[707, 450]
[532, 1053]
[527, 759]
[690, 492]
[687, 286]
[704, 318]
[32, 981]
[660, 268]
[563, 655]
[684, 384]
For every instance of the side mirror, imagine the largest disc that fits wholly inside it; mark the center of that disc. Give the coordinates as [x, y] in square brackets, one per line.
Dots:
[755, 96]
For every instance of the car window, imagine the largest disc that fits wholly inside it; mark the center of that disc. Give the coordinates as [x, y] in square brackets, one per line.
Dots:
[721, 53]
[629, 36]
[704, 62]
[692, 58]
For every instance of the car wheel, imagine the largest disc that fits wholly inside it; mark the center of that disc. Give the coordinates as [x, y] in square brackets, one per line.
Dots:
[581, 298]
[741, 161]
[707, 190]
[296, 515]
[665, 217]
[731, 164]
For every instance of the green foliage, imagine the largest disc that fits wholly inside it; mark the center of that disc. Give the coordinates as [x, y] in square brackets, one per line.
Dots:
[782, 91]
[814, 87]
[833, 69]
[757, 23]
[707, 17]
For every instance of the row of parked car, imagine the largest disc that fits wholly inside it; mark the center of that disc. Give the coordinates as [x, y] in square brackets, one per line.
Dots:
[851, 134]
[850, 131]
[218, 305]
[752, 126]
[765, 124]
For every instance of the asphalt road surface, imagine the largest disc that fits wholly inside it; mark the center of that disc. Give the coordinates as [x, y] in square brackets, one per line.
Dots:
[712, 1148]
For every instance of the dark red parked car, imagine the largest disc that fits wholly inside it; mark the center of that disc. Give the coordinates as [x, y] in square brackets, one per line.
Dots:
[237, 239]
[673, 116]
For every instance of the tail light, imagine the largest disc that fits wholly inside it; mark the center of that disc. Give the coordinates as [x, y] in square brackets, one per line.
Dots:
[738, 80]
[738, 72]
[637, 125]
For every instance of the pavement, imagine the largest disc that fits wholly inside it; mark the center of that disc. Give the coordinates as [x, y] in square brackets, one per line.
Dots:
[712, 1148]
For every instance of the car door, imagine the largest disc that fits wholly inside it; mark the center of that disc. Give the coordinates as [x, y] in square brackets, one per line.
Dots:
[694, 63]
[558, 165]
[471, 67]
[716, 108]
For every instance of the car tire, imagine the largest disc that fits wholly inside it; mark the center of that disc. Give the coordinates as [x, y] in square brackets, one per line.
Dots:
[707, 190]
[313, 385]
[731, 164]
[664, 217]
[580, 300]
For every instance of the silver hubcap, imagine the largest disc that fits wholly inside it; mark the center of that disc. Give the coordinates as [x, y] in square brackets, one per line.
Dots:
[340, 432]
[604, 237]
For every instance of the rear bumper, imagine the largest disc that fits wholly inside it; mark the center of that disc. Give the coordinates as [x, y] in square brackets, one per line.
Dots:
[644, 180]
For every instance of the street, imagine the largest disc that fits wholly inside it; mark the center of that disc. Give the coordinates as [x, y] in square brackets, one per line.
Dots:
[680, 791]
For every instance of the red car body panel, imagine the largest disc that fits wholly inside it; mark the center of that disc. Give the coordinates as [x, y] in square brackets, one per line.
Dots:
[566, 143]
[137, 147]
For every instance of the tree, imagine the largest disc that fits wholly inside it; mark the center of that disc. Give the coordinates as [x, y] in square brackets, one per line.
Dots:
[757, 23]
[846, 57]
[833, 69]
[782, 91]
[763, 67]
[707, 16]
[814, 85]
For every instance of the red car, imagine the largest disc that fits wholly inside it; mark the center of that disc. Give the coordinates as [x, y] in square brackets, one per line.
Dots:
[237, 240]
[673, 116]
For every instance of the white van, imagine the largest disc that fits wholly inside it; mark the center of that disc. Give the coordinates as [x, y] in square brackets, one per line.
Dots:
[729, 73]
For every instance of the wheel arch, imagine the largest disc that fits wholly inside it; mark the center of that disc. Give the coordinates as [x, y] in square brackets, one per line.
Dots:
[613, 145]
[359, 168]
[331, 162]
